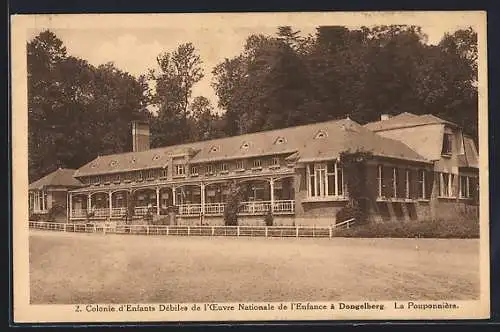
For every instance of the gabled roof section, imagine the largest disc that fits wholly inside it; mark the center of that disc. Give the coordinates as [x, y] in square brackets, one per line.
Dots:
[405, 120]
[351, 136]
[341, 135]
[63, 177]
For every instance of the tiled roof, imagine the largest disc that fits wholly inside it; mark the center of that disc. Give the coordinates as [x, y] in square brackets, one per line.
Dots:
[339, 136]
[62, 177]
[405, 120]
[471, 158]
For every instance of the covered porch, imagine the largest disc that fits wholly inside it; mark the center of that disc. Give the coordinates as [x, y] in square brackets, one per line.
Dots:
[260, 196]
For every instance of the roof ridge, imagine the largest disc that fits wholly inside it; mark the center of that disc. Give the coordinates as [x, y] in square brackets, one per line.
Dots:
[186, 145]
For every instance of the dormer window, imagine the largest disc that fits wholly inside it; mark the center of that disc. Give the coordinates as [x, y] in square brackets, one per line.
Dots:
[214, 149]
[133, 160]
[280, 140]
[93, 165]
[156, 157]
[447, 144]
[113, 163]
[179, 170]
[320, 134]
[245, 145]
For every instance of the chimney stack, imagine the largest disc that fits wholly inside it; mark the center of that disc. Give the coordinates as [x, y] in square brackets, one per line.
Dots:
[384, 117]
[140, 136]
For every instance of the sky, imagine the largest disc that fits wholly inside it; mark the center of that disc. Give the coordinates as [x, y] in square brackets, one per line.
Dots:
[134, 48]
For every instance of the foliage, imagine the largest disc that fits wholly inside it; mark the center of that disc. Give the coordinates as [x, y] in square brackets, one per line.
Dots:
[462, 228]
[353, 166]
[269, 218]
[289, 79]
[179, 71]
[349, 212]
[232, 204]
[76, 111]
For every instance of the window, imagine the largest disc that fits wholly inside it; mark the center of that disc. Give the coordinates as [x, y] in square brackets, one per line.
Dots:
[179, 170]
[139, 176]
[464, 187]
[421, 184]
[324, 180]
[280, 140]
[275, 161]
[320, 134]
[380, 176]
[447, 144]
[395, 175]
[407, 183]
[257, 163]
[163, 173]
[209, 169]
[116, 178]
[446, 185]
[223, 167]
[194, 170]
[96, 179]
[150, 174]
[239, 164]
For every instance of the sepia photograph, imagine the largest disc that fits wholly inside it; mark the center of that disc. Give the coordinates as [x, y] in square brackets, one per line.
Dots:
[198, 167]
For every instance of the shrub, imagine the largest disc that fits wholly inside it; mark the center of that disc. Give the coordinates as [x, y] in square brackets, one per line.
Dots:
[417, 229]
[232, 205]
[269, 218]
[349, 212]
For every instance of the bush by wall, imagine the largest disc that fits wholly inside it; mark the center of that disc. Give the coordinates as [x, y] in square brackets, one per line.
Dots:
[232, 205]
[461, 229]
[269, 218]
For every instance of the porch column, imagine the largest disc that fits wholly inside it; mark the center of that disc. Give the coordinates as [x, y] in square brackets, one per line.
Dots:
[110, 197]
[89, 203]
[271, 183]
[202, 189]
[173, 195]
[43, 200]
[70, 205]
[157, 200]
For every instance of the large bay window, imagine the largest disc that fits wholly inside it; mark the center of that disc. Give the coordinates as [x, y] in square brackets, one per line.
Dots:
[325, 180]
[421, 194]
[446, 185]
[464, 187]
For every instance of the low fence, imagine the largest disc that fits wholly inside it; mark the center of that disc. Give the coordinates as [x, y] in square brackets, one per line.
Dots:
[243, 231]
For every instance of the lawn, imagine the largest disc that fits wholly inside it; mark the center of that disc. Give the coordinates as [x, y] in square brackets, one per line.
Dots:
[96, 268]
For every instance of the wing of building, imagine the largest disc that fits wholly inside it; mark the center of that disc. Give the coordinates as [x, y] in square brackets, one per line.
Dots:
[422, 167]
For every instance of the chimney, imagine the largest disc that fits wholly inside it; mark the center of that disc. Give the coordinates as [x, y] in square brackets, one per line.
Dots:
[384, 117]
[140, 136]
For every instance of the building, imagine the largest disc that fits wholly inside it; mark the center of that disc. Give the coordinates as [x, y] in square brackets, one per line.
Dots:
[422, 168]
[51, 190]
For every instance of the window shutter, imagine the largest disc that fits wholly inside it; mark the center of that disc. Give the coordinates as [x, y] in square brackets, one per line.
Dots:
[372, 181]
[429, 183]
[474, 188]
[387, 174]
[414, 184]
[401, 183]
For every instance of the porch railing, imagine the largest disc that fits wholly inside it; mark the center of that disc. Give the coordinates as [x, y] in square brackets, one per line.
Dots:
[189, 209]
[78, 213]
[140, 210]
[119, 212]
[280, 207]
[214, 208]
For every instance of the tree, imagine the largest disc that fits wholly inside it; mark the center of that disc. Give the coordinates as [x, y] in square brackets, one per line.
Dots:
[179, 71]
[205, 124]
[75, 110]
[232, 207]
